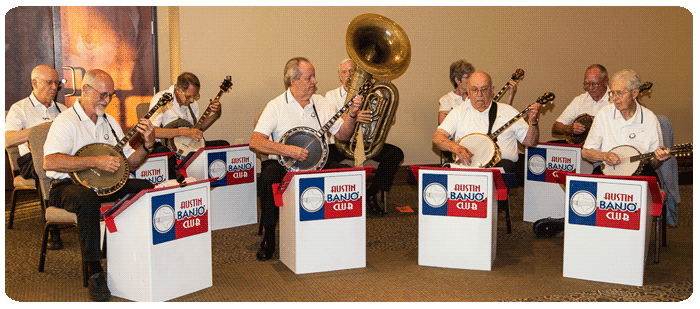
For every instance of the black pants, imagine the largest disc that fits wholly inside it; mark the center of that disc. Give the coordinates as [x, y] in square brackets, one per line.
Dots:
[86, 204]
[272, 172]
[389, 159]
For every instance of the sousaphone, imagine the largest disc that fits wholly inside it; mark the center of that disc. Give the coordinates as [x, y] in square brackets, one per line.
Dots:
[380, 49]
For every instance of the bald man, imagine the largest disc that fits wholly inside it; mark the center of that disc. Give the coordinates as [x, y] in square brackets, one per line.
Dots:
[86, 123]
[39, 107]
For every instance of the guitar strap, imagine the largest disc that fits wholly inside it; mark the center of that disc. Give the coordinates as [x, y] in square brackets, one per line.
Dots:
[492, 116]
[110, 127]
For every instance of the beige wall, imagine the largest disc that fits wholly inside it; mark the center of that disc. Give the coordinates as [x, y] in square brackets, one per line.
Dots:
[553, 45]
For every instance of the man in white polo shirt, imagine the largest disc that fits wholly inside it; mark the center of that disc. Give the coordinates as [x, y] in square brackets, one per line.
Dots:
[595, 81]
[297, 106]
[625, 122]
[86, 123]
[39, 107]
[474, 118]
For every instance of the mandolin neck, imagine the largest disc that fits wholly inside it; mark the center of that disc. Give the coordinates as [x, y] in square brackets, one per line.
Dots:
[207, 112]
[129, 135]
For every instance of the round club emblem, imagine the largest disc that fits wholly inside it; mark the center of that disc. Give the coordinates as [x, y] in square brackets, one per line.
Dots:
[582, 203]
[435, 195]
[217, 169]
[312, 199]
[164, 219]
[536, 164]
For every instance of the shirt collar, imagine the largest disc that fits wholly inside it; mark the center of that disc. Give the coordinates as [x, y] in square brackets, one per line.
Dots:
[82, 116]
[343, 93]
[172, 91]
[35, 102]
[638, 113]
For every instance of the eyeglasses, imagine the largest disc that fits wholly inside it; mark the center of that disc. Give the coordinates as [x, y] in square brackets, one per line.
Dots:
[592, 84]
[188, 98]
[613, 94]
[103, 95]
[47, 82]
[481, 90]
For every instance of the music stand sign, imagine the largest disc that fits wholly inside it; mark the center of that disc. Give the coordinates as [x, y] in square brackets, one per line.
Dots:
[234, 190]
[322, 222]
[608, 226]
[545, 164]
[457, 210]
[160, 243]
[154, 169]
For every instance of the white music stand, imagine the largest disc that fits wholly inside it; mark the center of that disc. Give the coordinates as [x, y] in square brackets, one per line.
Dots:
[457, 212]
[234, 192]
[544, 194]
[154, 169]
[608, 226]
[322, 222]
[160, 243]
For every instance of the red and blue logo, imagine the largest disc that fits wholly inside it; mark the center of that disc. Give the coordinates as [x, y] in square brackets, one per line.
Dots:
[178, 215]
[454, 196]
[604, 204]
[330, 197]
[545, 164]
[230, 168]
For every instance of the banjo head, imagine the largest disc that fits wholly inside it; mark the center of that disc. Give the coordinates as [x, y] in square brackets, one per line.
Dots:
[103, 182]
[626, 168]
[486, 152]
[309, 139]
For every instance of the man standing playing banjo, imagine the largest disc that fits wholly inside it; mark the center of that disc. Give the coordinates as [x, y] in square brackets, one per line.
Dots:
[297, 106]
[86, 123]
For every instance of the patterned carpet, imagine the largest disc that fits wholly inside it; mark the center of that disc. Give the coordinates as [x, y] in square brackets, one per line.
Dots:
[527, 269]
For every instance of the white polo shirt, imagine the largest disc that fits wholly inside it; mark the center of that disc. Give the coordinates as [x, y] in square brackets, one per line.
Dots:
[335, 100]
[29, 112]
[609, 130]
[73, 129]
[583, 104]
[451, 100]
[172, 112]
[284, 113]
[465, 120]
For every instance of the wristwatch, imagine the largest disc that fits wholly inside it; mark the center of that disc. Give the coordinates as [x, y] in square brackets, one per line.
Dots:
[146, 149]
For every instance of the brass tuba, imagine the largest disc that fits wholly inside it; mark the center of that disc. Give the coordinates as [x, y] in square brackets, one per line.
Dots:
[380, 50]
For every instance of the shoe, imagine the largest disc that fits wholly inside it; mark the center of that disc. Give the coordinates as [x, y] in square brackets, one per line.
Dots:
[373, 206]
[548, 227]
[54, 242]
[263, 254]
[98, 287]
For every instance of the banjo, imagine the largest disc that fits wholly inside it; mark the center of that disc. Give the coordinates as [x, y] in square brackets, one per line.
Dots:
[587, 121]
[632, 161]
[486, 151]
[183, 145]
[313, 141]
[104, 182]
[517, 75]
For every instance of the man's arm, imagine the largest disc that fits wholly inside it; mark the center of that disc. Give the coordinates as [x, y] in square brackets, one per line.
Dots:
[181, 131]
[146, 129]
[63, 163]
[347, 128]
[441, 139]
[559, 128]
[14, 138]
[532, 138]
[214, 116]
[441, 116]
[261, 144]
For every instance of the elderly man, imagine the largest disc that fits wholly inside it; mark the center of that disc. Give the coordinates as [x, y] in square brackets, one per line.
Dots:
[86, 123]
[625, 122]
[297, 106]
[595, 81]
[474, 118]
[37, 108]
[389, 157]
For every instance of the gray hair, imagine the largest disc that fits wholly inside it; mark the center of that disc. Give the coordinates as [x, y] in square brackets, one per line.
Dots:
[632, 79]
[344, 61]
[291, 70]
[603, 70]
[187, 79]
[458, 69]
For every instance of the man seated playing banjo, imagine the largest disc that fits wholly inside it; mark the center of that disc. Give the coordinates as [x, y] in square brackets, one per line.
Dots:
[297, 106]
[625, 122]
[474, 118]
[86, 123]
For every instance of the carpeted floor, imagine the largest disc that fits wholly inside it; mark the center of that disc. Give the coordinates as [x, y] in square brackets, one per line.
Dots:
[526, 268]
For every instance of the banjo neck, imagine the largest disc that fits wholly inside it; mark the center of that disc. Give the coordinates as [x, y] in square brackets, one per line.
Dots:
[544, 99]
[519, 73]
[225, 86]
[363, 91]
[676, 150]
[165, 99]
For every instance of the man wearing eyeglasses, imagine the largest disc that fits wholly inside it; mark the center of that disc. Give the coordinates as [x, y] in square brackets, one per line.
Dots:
[625, 122]
[595, 81]
[86, 123]
[39, 107]
[185, 95]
